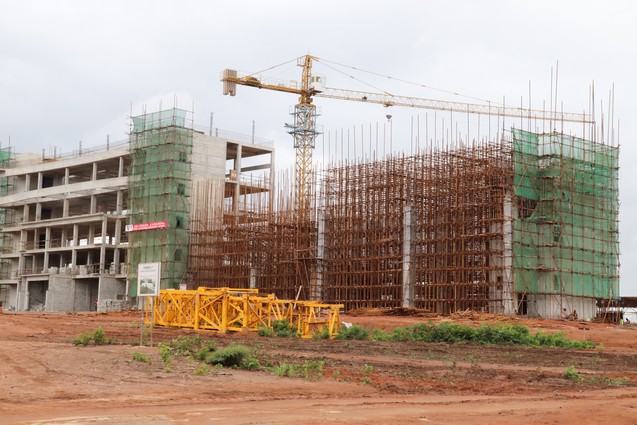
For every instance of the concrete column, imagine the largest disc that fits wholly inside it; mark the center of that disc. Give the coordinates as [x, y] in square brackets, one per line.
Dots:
[94, 173]
[316, 288]
[408, 274]
[120, 173]
[120, 202]
[118, 238]
[38, 211]
[103, 247]
[93, 204]
[271, 177]
[65, 205]
[75, 243]
[40, 180]
[27, 182]
[25, 213]
[237, 187]
[47, 235]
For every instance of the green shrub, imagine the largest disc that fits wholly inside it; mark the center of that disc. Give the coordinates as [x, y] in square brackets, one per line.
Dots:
[185, 345]
[283, 328]
[164, 352]
[353, 332]
[324, 334]
[265, 331]
[571, 374]
[312, 369]
[232, 356]
[83, 339]
[140, 357]
[98, 337]
[286, 369]
[205, 350]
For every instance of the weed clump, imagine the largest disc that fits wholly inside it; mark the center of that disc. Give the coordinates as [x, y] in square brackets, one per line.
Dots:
[98, 337]
[353, 332]
[233, 355]
[140, 357]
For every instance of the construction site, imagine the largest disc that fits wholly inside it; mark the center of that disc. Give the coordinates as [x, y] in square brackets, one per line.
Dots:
[127, 269]
[521, 221]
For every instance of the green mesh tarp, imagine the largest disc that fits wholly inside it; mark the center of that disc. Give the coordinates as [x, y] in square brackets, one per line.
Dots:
[159, 185]
[567, 241]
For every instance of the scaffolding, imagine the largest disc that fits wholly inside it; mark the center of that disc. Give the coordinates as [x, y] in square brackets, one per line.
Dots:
[526, 224]
[6, 219]
[159, 191]
[565, 230]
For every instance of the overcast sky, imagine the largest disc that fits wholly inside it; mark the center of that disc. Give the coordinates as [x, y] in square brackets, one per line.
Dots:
[76, 70]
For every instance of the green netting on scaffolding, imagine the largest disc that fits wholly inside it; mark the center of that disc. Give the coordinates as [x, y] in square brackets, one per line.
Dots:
[565, 224]
[5, 187]
[159, 185]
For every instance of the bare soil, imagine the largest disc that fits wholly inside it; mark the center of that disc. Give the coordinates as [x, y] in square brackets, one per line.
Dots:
[44, 379]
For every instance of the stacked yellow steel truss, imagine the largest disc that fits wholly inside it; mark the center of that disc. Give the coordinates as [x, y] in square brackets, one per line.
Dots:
[230, 309]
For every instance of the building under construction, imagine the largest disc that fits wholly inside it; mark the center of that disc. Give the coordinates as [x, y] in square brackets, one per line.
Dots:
[524, 225]
[76, 226]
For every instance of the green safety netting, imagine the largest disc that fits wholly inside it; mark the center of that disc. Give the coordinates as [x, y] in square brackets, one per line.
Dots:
[568, 244]
[159, 185]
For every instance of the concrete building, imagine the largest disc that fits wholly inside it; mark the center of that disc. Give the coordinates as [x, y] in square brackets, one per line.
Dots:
[75, 227]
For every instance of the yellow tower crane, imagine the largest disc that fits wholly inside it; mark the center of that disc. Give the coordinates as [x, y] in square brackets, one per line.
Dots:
[304, 128]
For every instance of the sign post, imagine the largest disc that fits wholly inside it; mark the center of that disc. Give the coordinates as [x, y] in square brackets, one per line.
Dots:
[148, 283]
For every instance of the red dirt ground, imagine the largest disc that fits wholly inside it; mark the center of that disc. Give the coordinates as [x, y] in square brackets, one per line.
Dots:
[44, 379]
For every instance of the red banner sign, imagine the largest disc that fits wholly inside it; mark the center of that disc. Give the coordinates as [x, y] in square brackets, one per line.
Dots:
[146, 226]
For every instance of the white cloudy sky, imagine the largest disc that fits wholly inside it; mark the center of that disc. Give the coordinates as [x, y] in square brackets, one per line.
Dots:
[74, 70]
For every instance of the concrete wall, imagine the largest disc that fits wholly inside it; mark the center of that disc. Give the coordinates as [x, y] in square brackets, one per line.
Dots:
[85, 295]
[10, 302]
[208, 156]
[60, 294]
[111, 294]
[550, 306]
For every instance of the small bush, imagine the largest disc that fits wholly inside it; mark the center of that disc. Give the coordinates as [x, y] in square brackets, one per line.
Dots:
[265, 331]
[368, 368]
[202, 370]
[232, 356]
[164, 352]
[98, 337]
[312, 369]
[205, 350]
[286, 369]
[353, 332]
[283, 328]
[571, 374]
[324, 334]
[187, 345]
[140, 357]
[83, 339]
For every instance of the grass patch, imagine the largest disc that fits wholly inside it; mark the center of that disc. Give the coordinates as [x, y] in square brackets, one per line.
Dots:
[453, 333]
[310, 369]
[571, 374]
[97, 337]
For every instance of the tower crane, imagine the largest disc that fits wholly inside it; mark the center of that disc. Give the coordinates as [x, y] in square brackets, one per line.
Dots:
[304, 128]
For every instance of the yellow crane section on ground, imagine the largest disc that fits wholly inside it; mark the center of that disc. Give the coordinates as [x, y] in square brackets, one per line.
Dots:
[236, 309]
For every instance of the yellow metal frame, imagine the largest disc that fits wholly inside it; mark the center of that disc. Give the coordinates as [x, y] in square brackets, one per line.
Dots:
[234, 309]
